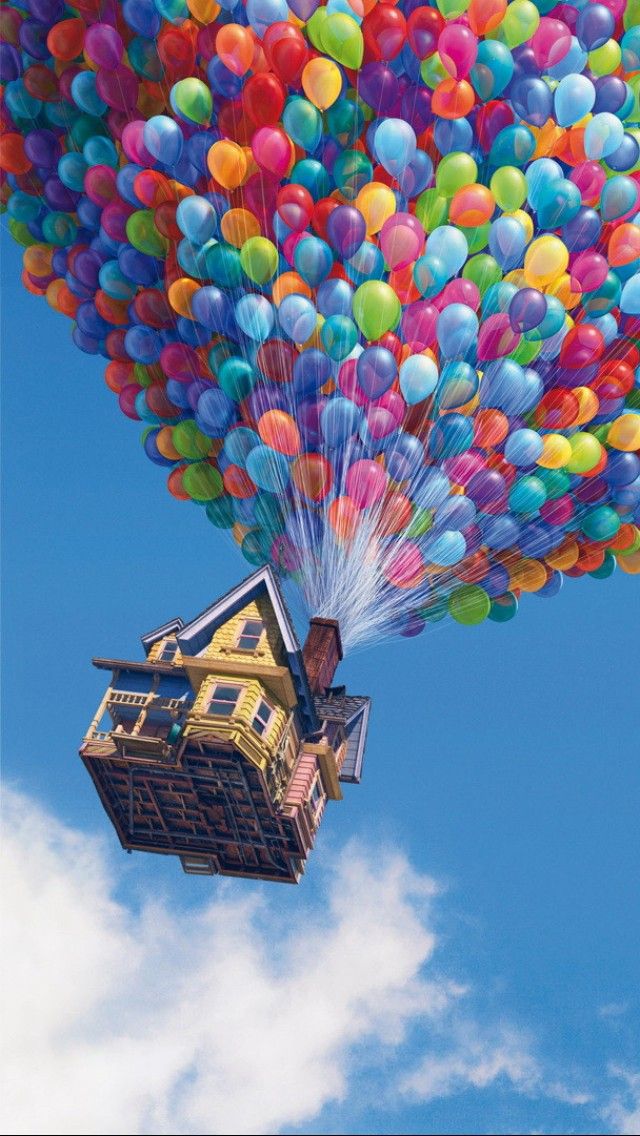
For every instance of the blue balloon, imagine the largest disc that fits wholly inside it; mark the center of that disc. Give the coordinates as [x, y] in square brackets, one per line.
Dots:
[507, 241]
[340, 420]
[163, 139]
[297, 317]
[449, 246]
[523, 447]
[268, 469]
[418, 378]
[573, 99]
[395, 145]
[215, 412]
[197, 219]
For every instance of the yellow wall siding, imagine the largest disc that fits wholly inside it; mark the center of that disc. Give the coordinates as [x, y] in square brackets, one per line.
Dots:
[270, 648]
[262, 749]
[155, 651]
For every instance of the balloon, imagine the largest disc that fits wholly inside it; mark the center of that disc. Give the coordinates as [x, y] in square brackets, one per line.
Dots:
[369, 274]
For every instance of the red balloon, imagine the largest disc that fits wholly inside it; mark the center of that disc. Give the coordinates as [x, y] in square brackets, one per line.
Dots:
[286, 51]
[582, 345]
[385, 31]
[423, 29]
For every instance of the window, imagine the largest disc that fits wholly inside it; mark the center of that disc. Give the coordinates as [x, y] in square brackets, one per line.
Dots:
[224, 699]
[316, 795]
[169, 650]
[250, 634]
[262, 719]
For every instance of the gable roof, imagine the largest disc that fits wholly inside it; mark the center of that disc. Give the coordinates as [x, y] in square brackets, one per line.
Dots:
[352, 711]
[170, 628]
[194, 636]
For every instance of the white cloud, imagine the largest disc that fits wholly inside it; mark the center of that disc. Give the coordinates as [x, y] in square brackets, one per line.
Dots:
[225, 1020]
[623, 1110]
[231, 1018]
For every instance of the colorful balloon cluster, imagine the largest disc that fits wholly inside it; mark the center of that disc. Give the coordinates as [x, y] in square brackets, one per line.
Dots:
[368, 272]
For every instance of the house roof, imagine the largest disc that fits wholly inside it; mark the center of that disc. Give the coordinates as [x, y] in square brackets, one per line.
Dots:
[352, 711]
[194, 636]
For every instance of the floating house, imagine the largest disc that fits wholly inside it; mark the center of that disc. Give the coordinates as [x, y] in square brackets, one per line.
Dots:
[224, 745]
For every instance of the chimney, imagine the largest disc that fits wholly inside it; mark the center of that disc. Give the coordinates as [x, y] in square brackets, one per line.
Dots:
[322, 653]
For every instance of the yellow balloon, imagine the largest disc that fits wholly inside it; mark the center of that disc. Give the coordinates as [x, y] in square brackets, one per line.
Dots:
[556, 451]
[204, 11]
[528, 575]
[586, 452]
[322, 82]
[516, 276]
[376, 202]
[228, 163]
[562, 290]
[624, 433]
[589, 404]
[180, 295]
[545, 260]
[238, 225]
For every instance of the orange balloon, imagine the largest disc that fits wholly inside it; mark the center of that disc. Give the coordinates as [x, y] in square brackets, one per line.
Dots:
[589, 404]
[61, 298]
[165, 444]
[238, 225]
[490, 428]
[279, 430]
[288, 284]
[228, 164]
[528, 575]
[175, 486]
[563, 557]
[235, 46]
[113, 311]
[38, 260]
[471, 206]
[630, 564]
[312, 476]
[624, 245]
[344, 517]
[180, 295]
[453, 98]
[485, 15]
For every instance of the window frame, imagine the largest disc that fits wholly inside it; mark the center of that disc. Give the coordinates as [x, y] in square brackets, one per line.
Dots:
[242, 633]
[268, 723]
[172, 645]
[211, 698]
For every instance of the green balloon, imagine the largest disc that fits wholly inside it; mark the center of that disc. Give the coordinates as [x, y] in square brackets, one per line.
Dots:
[519, 23]
[478, 238]
[376, 309]
[315, 25]
[20, 233]
[202, 482]
[484, 270]
[259, 259]
[525, 352]
[421, 522]
[192, 99]
[509, 187]
[432, 210]
[342, 39]
[189, 441]
[432, 71]
[455, 171]
[143, 235]
[469, 604]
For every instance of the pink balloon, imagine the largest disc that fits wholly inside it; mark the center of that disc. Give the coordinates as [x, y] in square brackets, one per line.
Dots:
[272, 150]
[589, 270]
[402, 240]
[497, 337]
[551, 42]
[459, 291]
[406, 566]
[133, 145]
[464, 466]
[419, 322]
[589, 178]
[365, 483]
[349, 385]
[458, 49]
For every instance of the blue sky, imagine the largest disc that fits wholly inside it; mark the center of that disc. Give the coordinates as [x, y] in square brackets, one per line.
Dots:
[501, 774]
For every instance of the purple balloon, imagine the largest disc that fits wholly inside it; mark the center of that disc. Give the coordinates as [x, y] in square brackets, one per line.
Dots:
[42, 148]
[377, 370]
[486, 487]
[346, 230]
[379, 87]
[527, 309]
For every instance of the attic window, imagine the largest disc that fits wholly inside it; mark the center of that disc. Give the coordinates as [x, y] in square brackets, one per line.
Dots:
[224, 699]
[168, 650]
[250, 634]
[262, 719]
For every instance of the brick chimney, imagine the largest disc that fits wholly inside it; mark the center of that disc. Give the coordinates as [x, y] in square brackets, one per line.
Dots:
[321, 653]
